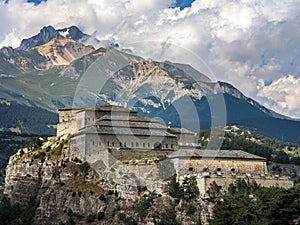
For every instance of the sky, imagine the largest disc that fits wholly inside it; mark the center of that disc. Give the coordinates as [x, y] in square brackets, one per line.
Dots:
[254, 45]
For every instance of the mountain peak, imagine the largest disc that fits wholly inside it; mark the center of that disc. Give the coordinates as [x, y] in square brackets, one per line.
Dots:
[48, 33]
[73, 32]
[47, 29]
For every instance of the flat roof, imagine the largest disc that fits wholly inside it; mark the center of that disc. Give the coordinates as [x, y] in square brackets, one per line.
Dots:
[126, 118]
[97, 108]
[125, 131]
[211, 154]
[175, 130]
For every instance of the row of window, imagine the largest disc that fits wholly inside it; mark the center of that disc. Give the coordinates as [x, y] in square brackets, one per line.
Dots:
[219, 169]
[132, 144]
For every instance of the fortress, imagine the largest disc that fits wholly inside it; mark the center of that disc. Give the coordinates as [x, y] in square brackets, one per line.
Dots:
[114, 134]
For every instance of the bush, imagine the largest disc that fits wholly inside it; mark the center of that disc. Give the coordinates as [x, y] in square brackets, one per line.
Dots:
[121, 216]
[41, 155]
[85, 167]
[102, 197]
[90, 218]
[174, 189]
[100, 215]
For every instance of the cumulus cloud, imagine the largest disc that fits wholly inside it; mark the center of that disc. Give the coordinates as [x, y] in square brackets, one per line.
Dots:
[283, 94]
[246, 43]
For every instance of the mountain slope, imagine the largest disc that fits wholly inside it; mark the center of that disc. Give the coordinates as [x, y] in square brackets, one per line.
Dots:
[27, 120]
[63, 51]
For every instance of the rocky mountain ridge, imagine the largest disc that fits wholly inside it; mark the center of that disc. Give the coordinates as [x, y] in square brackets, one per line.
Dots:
[49, 33]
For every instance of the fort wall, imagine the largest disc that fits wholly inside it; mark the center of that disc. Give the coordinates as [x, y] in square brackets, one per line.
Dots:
[204, 182]
[220, 166]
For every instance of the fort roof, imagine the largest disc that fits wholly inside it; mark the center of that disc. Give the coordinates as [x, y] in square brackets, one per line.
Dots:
[111, 108]
[175, 130]
[215, 154]
[131, 124]
[126, 118]
[125, 131]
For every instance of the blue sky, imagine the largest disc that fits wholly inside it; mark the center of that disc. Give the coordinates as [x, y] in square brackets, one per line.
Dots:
[183, 3]
[179, 3]
[252, 44]
[36, 1]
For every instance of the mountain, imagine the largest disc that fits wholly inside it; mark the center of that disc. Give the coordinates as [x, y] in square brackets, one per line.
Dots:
[49, 33]
[63, 51]
[53, 70]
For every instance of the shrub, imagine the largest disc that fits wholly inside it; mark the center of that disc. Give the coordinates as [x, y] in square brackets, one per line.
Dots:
[102, 197]
[100, 215]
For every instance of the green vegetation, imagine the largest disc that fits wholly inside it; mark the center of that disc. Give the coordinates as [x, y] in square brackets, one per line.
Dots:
[271, 149]
[255, 205]
[16, 214]
[29, 120]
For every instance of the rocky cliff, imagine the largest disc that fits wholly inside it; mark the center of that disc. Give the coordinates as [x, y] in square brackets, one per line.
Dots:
[72, 192]
[61, 189]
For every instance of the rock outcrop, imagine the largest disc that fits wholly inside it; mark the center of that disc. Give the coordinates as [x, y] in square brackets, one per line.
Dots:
[73, 192]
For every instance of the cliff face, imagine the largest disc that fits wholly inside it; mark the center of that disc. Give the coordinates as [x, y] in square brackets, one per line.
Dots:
[73, 192]
[61, 189]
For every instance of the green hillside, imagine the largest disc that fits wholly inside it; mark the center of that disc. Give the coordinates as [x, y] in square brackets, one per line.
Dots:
[271, 149]
[27, 120]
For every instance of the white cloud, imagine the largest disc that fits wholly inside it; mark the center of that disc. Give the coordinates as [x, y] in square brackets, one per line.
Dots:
[283, 94]
[246, 43]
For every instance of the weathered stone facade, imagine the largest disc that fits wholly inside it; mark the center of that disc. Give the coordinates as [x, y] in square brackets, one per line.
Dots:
[224, 167]
[103, 128]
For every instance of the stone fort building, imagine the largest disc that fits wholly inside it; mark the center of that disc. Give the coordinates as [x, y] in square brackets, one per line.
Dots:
[113, 133]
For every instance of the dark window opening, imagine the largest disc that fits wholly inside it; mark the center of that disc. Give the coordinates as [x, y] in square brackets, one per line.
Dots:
[219, 169]
[157, 145]
[205, 169]
[191, 169]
